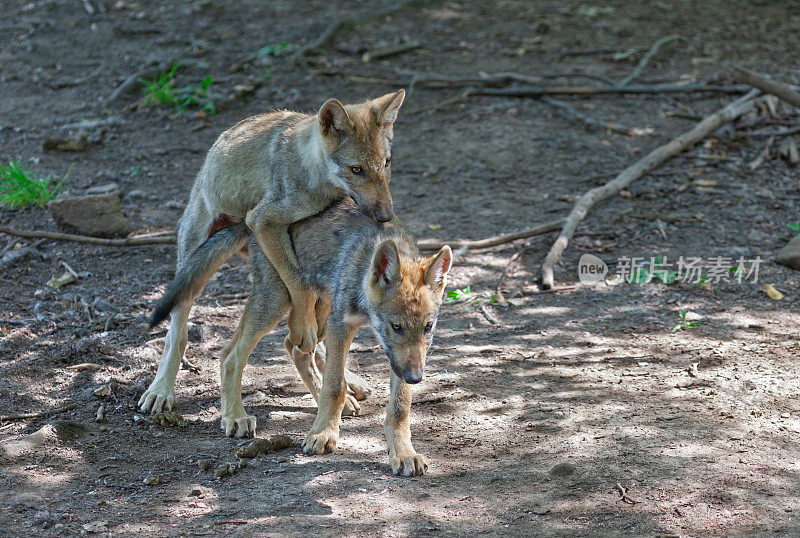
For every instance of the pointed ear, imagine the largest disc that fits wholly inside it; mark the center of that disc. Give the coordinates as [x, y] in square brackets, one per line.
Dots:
[436, 273]
[334, 119]
[388, 105]
[385, 265]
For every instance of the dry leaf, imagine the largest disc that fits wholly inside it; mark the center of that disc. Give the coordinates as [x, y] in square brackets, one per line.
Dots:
[773, 293]
[435, 226]
[63, 280]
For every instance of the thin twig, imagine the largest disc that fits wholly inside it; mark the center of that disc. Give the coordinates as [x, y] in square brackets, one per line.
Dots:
[646, 59]
[385, 52]
[778, 89]
[39, 414]
[498, 295]
[493, 241]
[135, 241]
[341, 23]
[623, 494]
[488, 315]
[637, 170]
[538, 91]
[572, 113]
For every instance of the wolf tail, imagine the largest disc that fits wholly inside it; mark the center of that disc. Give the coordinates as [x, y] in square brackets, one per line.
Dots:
[199, 268]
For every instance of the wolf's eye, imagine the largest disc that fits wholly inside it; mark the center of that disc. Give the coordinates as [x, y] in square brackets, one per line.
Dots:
[357, 170]
[396, 328]
[388, 160]
[428, 327]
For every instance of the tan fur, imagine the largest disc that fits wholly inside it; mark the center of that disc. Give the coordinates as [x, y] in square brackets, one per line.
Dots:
[273, 170]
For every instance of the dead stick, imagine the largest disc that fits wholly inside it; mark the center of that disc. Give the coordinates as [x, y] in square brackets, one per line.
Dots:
[39, 414]
[646, 59]
[778, 89]
[572, 113]
[135, 241]
[341, 23]
[635, 171]
[538, 91]
[478, 244]
[386, 52]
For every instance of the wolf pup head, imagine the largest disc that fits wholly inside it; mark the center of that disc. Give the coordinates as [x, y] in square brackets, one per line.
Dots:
[358, 139]
[405, 296]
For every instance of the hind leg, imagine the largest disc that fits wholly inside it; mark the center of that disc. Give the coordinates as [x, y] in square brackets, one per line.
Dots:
[308, 366]
[266, 306]
[159, 396]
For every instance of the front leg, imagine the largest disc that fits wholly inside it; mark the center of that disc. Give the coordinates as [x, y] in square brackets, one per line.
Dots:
[272, 235]
[324, 432]
[403, 458]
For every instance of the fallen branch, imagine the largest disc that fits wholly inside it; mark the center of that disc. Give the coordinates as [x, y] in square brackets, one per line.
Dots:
[439, 82]
[646, 59]
[778, 89]
[623, 494]
[39, 414]
[478, 244]
[386, 52]
[638, 169]
[572, 113]
[538, 91]
[340, 24]
[160, 238]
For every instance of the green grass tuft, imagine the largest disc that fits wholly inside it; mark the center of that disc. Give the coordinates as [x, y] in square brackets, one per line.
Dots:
[162, 91]
[20, 187]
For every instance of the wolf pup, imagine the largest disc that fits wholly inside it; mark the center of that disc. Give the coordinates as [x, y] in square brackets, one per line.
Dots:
[269, 171]
[365, 273]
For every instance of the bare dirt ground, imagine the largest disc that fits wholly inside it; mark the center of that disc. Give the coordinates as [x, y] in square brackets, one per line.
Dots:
[590, 376]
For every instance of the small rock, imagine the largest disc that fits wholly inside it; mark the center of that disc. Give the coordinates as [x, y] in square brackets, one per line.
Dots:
[173, 204]
[101, 413]
[196, 491]
[789, 255]
[226, 469]
[97, 215]
[103, 391]
[563, 469]
[103, 189]
[205, 465]
[96, 526]
[79, 142]
[264, 446]
[152, 480]
[168, 418]
[135, 194]
[102, 305]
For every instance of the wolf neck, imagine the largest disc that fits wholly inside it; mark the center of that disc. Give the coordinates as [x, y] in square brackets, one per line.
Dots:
[323, 172]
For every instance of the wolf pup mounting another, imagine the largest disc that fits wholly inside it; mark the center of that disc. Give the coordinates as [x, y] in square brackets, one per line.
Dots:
[364, 273]
[270, 171]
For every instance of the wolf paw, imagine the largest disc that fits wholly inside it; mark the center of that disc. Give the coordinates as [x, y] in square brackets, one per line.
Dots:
[320, 443]
[408, 464]
[156, 400]
[239, 427]
[351, 406]
[357, 385]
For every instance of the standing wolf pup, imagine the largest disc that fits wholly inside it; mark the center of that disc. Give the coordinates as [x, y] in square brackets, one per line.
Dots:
[270, 171]
[368, 273]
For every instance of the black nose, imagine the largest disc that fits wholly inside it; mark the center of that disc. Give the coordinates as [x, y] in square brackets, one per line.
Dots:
[412, 377]
[384, 215]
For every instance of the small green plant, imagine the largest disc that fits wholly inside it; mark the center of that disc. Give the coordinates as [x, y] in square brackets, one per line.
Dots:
[458, 295]
[682, 323]
[162, 91]
[794, 226]
[271, 50]
[20, 187]
[643, 275]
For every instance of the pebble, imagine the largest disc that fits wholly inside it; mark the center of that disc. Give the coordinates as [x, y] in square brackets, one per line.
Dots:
[152, 480]
[563, 469]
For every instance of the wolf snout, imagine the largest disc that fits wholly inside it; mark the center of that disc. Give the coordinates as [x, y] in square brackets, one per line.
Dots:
[413, 376]
[383, 214]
